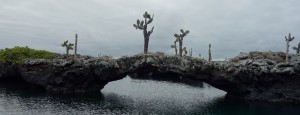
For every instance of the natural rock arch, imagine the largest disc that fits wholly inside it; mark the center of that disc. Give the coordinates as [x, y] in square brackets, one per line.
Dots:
[259, 79]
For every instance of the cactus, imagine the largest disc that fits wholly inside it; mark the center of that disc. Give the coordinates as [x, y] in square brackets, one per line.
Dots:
[297, 48]
[288, 40]
[175, 47]
[191, 52]
[75, 53]
[209, 53]
[179, 38]
[68, 46]
[184, 51]
[142, 25]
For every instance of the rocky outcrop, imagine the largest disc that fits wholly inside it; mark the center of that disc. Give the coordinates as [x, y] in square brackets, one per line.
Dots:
[247, 77]
[9, 72]
[63, 75]
[263, 79]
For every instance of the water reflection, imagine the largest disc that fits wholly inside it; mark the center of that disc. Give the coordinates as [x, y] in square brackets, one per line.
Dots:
[224, 106]
[163, 96]
[132, 96]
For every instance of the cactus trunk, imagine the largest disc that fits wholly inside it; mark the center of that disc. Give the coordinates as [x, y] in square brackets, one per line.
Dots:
[298, 49]
[146, 39]
[67, 51]
[191, 52]
[176, 50]
[146, 42]
[180, 48]
[287, 51]
[209, 53]
[76, 36]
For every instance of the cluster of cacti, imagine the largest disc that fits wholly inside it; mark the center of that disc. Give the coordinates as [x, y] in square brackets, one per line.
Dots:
[142, 25]
[297, 48]
[76, 36]
[288, 40]
[209, 52]
[179, 39]
[69, 46]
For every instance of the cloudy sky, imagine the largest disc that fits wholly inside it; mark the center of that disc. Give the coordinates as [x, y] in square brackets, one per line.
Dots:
[105, 26]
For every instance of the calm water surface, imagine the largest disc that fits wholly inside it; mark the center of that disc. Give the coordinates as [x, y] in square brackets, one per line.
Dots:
[132, 96]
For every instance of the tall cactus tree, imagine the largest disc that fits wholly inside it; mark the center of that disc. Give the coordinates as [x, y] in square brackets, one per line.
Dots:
[76, 36]
[297, 48]
[143, 25]
[179, 38]
[209, 53]
[69, 46]
[288, 40]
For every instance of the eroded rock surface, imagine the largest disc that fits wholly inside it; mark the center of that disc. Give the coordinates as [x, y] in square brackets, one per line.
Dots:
[251, 78]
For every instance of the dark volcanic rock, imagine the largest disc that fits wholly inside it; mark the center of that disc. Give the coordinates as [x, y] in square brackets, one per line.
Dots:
[9, 72]
[250, 77]
[79, 75]
[264, 80]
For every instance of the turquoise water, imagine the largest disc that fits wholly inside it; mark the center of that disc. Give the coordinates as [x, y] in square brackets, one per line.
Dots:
[136, 96]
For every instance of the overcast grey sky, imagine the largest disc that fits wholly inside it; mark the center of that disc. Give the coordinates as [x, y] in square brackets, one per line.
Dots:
[105, 26]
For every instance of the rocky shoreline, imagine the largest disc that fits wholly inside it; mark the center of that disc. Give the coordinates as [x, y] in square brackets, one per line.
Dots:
[250, 78]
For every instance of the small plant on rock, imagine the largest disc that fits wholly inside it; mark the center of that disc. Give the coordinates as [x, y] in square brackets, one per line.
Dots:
[69, 46]
[179, 39]
[191, 52]
[297, 48]
[288, 39]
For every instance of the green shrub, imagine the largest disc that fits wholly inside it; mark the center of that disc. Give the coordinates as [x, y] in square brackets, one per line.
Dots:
[18, 54]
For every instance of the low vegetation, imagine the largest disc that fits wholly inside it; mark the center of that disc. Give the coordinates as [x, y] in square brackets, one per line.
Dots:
[18, 54]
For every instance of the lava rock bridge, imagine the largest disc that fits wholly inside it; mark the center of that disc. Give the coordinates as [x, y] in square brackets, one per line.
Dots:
[250, 79]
